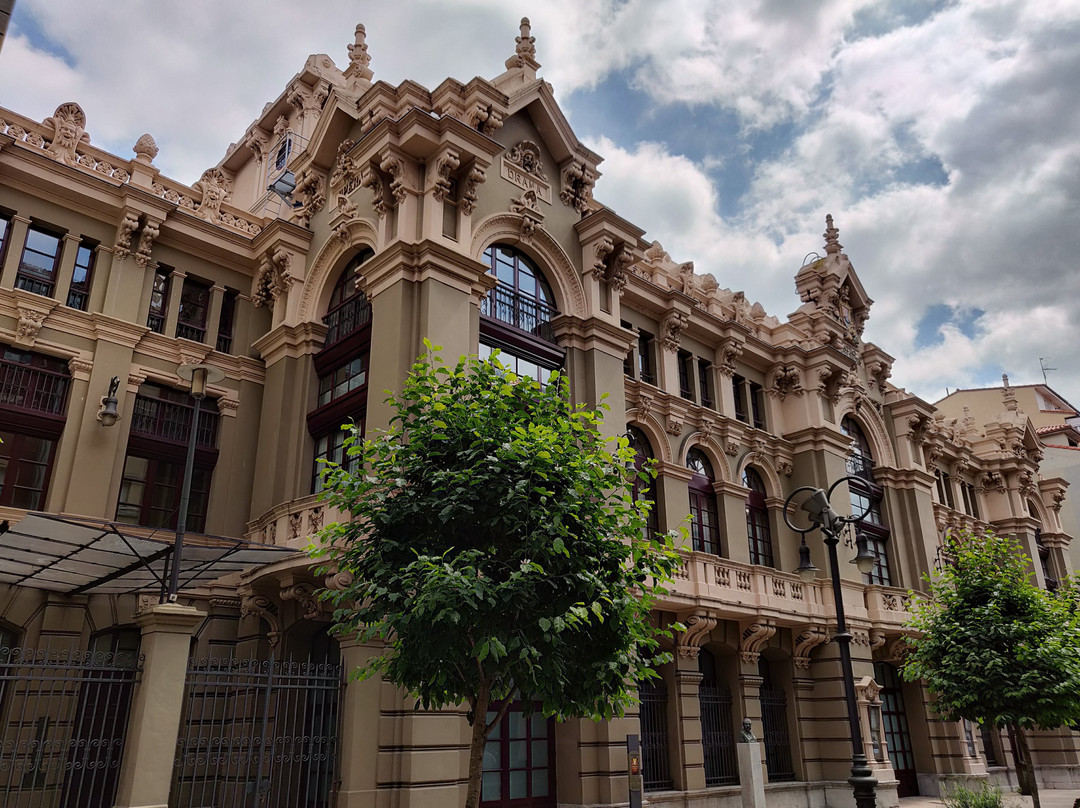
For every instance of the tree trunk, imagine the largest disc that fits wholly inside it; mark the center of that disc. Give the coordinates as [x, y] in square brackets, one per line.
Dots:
[1025, 768]
[476, 747]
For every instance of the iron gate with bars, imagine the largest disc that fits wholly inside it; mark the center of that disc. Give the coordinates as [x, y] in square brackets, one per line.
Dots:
[655, 763]
[774, 727]
[717, 736]
[64, 715]
[258, 734]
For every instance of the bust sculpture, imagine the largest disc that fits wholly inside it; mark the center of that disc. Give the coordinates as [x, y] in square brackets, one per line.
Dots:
[747, 733]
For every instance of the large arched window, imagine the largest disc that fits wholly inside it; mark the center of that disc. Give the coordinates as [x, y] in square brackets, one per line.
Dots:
[644, 487]
[1045, 562]
[866, 493]
[757, 520]
[516, 315]
[342, 368]
[704, 515]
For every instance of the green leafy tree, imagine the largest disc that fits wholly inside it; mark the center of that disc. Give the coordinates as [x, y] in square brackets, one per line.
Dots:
[497, 551]
[993, 647]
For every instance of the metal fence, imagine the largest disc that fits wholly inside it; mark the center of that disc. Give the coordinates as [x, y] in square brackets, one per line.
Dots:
[64, 717]
[717, 735]
[258, 733]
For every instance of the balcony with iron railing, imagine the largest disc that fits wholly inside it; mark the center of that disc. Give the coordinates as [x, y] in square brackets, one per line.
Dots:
[525, 313]
[861, 467]
[32, 389]
[347, 318]
[171, 421]
[191, 331]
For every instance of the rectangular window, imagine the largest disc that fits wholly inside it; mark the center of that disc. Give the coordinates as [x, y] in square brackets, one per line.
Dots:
[628, 360]
[159, 299]
[757, 405]
[738, 384]
[705, 387]
[194, 304]
[944, 488]
[37, 268]
[330, 448]
[150, 493]
[25, 465]
[81, 277]
[227, 322]
[645, 363]
[5, 233]
[685, 361]
[971, 504]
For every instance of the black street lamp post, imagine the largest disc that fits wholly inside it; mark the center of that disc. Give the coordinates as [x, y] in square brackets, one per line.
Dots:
[823, 517]
[199, 376]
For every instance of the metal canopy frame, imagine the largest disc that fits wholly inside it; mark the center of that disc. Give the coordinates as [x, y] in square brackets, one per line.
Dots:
[85, 556]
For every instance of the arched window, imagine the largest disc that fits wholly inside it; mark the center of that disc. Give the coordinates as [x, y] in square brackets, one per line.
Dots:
[342, 368]
[1045, 561]
[704, 518]
[866, 493]
[516, 315]
[757, 520]
[644, 488]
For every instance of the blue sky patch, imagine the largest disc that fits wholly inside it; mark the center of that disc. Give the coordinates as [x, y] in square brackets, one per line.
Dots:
[928, 331]
[24, 23]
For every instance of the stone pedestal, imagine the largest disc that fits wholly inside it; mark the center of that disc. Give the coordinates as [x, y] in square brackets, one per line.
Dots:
[751, 776]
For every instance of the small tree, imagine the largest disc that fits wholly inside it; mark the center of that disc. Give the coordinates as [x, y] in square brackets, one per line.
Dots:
[994, 648]
[497, 551]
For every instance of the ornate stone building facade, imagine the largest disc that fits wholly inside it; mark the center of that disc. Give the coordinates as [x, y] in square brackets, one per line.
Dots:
[464, 215]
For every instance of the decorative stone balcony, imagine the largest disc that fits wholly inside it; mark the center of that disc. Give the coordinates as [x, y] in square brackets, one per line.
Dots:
[888, 607]
[292, 524]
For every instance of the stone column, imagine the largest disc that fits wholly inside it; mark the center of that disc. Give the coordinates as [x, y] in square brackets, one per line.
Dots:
[691, 755]
[358, 738]
[147, 768]
[172, 307]
[16, 241]
[69, 252]
[99, 282]
[213, 315]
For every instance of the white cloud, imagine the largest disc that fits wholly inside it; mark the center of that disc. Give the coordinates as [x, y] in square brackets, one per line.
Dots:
[944, 146]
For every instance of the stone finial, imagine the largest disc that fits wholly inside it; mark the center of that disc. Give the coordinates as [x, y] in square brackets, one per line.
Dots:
[359, 58]
[525, 52]
[832, 236]
[145, 149]
[526, 44]
[1008, 395]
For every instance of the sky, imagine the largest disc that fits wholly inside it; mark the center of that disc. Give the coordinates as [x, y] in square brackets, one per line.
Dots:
[942, 136]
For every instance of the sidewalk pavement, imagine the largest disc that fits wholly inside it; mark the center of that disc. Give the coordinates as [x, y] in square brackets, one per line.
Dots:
[1048, 798]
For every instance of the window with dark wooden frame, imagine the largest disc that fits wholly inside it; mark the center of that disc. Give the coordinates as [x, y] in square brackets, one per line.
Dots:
[342, 368]
[705, 387]
[757, 520]
[227, 321]
[33, 407]
[867, 494]
[159, 299]
[686, 361]
[644, 487]
[519, 761]
[645, 358]
[194, 306]
[82, 276]
[516, 315]
[704, 514]
[161, 422]
[40, 258]
[5, 236]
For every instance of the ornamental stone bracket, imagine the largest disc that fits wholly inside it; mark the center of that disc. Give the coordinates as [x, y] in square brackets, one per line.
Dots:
[728, 354]
[688, 642]
[304, 595]
[806, 641]
[674, 323]
[578, 179]
[31, 317]
[785, 380]
[753, 638]
[259, 605]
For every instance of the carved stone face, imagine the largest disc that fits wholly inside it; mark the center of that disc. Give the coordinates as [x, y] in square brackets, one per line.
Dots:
[68, 134]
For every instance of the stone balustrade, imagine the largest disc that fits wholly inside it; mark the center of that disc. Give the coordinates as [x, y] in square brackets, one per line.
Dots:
[293, 523]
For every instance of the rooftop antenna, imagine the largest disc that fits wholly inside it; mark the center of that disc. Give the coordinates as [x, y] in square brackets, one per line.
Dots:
[1044, 368]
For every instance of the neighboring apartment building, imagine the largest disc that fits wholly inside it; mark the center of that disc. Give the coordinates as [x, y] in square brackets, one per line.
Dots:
[463, 215]
[1056, 422]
